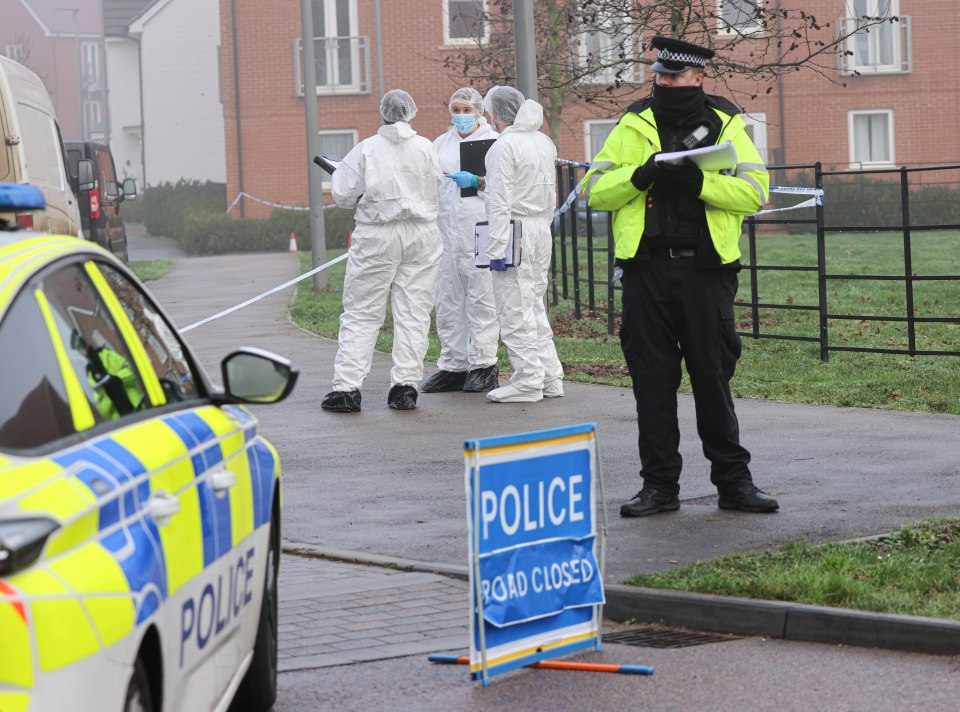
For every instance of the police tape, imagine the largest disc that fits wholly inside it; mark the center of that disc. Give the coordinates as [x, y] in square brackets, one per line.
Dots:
[281, 206]
[266, 294]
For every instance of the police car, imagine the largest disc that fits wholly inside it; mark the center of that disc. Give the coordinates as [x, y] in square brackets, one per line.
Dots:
[139, 506]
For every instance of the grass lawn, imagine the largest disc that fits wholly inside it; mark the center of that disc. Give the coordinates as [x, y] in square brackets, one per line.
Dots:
[151, 269]
[912, 571]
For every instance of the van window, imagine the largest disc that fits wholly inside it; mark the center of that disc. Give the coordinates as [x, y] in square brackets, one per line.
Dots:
[108, 179]
[41, 147]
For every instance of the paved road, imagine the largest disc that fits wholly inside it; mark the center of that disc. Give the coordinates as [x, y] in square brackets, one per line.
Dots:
[382, 482]
[389, 482]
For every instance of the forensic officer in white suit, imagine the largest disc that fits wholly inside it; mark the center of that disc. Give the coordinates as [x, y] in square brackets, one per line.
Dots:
[393, 180]
[466, 311]
[521, 186]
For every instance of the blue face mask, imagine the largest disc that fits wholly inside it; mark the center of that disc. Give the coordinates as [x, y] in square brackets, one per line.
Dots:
[464, 122]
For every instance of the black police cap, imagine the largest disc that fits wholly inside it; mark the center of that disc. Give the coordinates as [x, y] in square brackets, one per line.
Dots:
[678, 56]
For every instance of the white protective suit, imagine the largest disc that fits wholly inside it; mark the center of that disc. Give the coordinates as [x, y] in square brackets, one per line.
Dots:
[466, 310]
[522, 185]
[394, 181]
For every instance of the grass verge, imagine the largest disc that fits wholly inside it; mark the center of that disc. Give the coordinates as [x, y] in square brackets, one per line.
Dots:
[912, 571]
[150, 269]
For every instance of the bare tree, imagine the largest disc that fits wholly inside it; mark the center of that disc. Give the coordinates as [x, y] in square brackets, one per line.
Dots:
[588, 51]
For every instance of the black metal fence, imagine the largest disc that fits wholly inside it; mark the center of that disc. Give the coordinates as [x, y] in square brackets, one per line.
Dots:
[801, 280]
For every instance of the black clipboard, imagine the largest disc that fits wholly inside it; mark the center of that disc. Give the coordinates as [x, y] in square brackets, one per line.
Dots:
[514, 245]
[472, 160]
[327, 163]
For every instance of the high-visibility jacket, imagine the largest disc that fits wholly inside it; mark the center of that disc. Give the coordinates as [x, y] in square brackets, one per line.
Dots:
[729, 195]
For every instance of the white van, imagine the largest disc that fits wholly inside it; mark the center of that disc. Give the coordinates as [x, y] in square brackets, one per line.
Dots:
[31, 151]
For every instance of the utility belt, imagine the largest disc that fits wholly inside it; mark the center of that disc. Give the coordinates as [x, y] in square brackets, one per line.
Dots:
[673, 253]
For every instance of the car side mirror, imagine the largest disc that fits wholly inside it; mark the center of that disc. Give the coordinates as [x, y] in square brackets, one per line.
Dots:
[129, 189]
[85, 180]
[253, 375]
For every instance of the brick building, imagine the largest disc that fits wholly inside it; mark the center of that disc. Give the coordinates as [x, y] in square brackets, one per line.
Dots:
[901, 103]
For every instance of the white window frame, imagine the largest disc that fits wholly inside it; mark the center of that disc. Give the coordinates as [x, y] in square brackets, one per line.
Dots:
[757, 121]
[90, 67]
[898, 33]
[632, 73]
[456, 41]
[891, 142]
[587, 131]
[326, 183]
[725, 28]
[16, 51]
[328, 52]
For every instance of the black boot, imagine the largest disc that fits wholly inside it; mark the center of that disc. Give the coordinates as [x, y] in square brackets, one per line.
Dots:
[482, 379]
[402, 398]
[444, 381]
[342, 402]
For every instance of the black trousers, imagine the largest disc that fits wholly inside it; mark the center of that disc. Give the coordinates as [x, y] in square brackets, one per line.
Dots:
[675, 310]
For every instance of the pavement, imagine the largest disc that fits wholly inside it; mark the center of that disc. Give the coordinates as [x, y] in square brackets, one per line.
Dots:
[374, 511]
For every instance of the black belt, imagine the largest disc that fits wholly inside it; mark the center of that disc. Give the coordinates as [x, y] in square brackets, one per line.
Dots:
[673, 252]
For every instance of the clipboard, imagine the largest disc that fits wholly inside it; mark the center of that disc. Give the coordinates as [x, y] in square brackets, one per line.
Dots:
[327, 163]
[472, 159]
[709, 158]
[514, 245]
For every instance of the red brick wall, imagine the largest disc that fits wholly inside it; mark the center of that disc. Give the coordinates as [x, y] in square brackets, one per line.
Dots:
[926, 103]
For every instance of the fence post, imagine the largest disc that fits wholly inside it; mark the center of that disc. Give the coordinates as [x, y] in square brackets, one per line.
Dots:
[611, 287]
[907, 260]
[575, 248]
[754, 287]
[553, 242]
[822, 269]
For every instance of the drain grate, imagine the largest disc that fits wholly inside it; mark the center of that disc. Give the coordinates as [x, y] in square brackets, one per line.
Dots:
[658, 637]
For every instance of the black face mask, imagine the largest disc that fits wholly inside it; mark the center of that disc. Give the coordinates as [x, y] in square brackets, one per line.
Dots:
[677, 102]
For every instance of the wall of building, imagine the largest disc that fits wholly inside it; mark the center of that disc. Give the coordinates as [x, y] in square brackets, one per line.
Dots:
[123, 70]
[183, 127]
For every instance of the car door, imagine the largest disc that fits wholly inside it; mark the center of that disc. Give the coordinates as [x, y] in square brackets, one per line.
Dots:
[232, 476]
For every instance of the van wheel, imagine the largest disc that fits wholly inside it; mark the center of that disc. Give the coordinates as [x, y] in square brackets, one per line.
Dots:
[138, 691]
[258, 691]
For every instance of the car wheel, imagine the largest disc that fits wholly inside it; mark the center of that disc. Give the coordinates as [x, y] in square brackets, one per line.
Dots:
[138, 691]
[258, 691]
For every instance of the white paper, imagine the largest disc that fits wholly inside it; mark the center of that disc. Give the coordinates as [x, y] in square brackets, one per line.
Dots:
[512, 253]
[708, 158]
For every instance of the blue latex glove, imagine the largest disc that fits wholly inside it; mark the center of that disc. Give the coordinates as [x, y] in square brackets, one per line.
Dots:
[498, 265]
[463, 179]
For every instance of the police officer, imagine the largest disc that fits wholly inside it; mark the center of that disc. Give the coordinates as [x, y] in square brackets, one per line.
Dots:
[677, 237]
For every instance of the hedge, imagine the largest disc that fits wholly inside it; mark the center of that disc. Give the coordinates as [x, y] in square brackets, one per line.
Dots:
[194, 214]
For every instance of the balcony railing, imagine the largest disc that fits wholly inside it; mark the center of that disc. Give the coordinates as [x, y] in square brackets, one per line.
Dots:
[342, 65]
[879, 49]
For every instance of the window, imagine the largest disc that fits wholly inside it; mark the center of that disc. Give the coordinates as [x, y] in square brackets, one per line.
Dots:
[608, 49]
[596, 133]
[93, 116]
[342, 57]
[757, 131]
[17, 52]
[742, 16]
[98, 353]
[34, 409]
[880, 49]
[463, 22]
[91, 64]
[871, 138]
[336, 143]
[41, 147]
[159, 339]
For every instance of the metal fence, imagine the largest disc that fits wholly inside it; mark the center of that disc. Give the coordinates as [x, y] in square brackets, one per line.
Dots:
[826, 289]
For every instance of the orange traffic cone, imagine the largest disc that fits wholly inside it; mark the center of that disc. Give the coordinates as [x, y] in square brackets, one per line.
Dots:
[293, 242]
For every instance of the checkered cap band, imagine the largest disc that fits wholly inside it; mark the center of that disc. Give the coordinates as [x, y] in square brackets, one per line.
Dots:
[693, 60]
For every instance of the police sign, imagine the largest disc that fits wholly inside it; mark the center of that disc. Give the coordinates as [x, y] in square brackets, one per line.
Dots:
[536, 585]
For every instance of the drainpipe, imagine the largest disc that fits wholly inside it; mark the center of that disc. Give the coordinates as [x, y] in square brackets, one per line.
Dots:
[236, 97]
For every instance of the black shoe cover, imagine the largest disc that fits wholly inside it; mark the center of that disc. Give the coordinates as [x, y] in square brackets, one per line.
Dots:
[482, 379]
[342, 402]
[444, 381]
[402, 398]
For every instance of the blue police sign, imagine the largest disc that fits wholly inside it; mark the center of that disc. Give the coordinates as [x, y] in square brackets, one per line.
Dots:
[536, 585]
